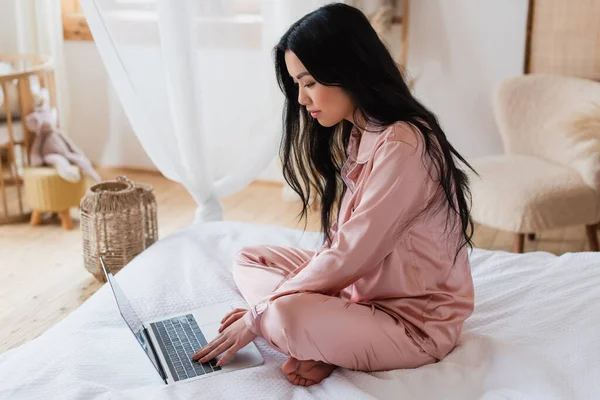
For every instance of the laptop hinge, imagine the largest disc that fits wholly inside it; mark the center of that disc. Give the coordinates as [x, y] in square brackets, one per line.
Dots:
[160, 366]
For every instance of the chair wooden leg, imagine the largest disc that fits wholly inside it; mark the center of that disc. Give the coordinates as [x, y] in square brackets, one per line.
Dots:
[531, 236]
[3, 189]
[593, 237]
[36, 218]
[519, 244]
[66, 221]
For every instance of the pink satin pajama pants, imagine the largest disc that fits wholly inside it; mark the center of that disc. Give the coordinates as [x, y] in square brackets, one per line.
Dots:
[313, 326]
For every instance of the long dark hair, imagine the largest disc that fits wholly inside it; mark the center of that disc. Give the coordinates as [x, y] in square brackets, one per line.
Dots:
[339, 47]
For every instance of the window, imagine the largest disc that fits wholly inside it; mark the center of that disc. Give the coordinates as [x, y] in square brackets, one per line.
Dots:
[75, 26]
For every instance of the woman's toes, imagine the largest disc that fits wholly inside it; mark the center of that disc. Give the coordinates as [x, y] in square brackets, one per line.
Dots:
[309, 382]
[307, 372]
[290, 366]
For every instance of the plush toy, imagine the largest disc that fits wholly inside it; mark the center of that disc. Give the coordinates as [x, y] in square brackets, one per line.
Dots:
[51, 147]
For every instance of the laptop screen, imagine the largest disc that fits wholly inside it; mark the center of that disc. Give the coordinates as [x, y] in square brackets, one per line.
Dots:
[131, 318]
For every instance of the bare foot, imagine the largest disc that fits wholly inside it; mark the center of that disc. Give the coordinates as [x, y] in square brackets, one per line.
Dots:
[306, 373]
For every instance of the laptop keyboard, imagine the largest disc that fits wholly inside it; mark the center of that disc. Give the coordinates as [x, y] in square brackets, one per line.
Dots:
[179, 338]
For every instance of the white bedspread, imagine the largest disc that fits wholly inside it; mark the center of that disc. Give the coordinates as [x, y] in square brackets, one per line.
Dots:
[535, 333]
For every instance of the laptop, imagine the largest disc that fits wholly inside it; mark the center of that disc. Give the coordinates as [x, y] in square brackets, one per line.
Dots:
[170, 342]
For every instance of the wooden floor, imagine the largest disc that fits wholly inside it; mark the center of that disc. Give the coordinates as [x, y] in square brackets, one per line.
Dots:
[42, 278]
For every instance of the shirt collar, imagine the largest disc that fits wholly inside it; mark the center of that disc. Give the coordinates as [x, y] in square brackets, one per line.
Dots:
[361, 146]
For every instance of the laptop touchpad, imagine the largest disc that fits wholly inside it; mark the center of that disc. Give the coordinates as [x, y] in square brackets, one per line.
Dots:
[245, 357]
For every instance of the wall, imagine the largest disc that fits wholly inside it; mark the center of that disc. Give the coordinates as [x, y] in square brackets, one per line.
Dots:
[97, 120]
[459, 50]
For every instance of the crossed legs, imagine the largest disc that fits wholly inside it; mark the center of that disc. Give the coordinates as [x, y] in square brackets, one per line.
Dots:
[320, 332]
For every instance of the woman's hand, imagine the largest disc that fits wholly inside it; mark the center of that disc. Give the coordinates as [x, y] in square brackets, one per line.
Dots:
[229, 341]
[231, 317]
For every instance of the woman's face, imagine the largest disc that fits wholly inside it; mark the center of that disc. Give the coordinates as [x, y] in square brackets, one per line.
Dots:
[328, 104]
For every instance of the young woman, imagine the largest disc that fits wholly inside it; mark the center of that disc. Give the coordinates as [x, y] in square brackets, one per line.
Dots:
[391, 286]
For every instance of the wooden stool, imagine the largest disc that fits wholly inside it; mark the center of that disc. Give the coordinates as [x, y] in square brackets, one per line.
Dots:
[46, 191]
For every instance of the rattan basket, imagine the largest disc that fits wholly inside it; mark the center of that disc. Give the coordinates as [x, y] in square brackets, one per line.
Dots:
[112, 225]
[148, 213]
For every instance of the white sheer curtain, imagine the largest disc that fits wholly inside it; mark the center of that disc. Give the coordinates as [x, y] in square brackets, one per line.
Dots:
[39, 31]
[197, 82]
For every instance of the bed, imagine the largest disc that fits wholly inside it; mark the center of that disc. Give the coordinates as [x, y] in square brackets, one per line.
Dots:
[535, 332]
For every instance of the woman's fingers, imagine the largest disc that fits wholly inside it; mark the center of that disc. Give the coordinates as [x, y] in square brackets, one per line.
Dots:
[230, 320]
[237, 310]
[232, 333]
[220, 349]
[210, 346]
[227, 322]
[232, 350]
[235, 316]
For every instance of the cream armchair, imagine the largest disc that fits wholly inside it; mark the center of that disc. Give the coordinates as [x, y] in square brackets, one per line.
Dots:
[549, 176]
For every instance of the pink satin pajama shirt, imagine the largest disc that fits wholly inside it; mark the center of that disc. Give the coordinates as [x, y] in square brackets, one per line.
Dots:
[387, 293]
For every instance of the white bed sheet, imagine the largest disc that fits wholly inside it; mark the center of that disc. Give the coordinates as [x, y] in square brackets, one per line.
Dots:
[535, 332]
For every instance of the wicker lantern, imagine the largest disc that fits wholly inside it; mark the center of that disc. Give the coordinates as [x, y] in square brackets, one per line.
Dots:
[112, 225]
[148, 213]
